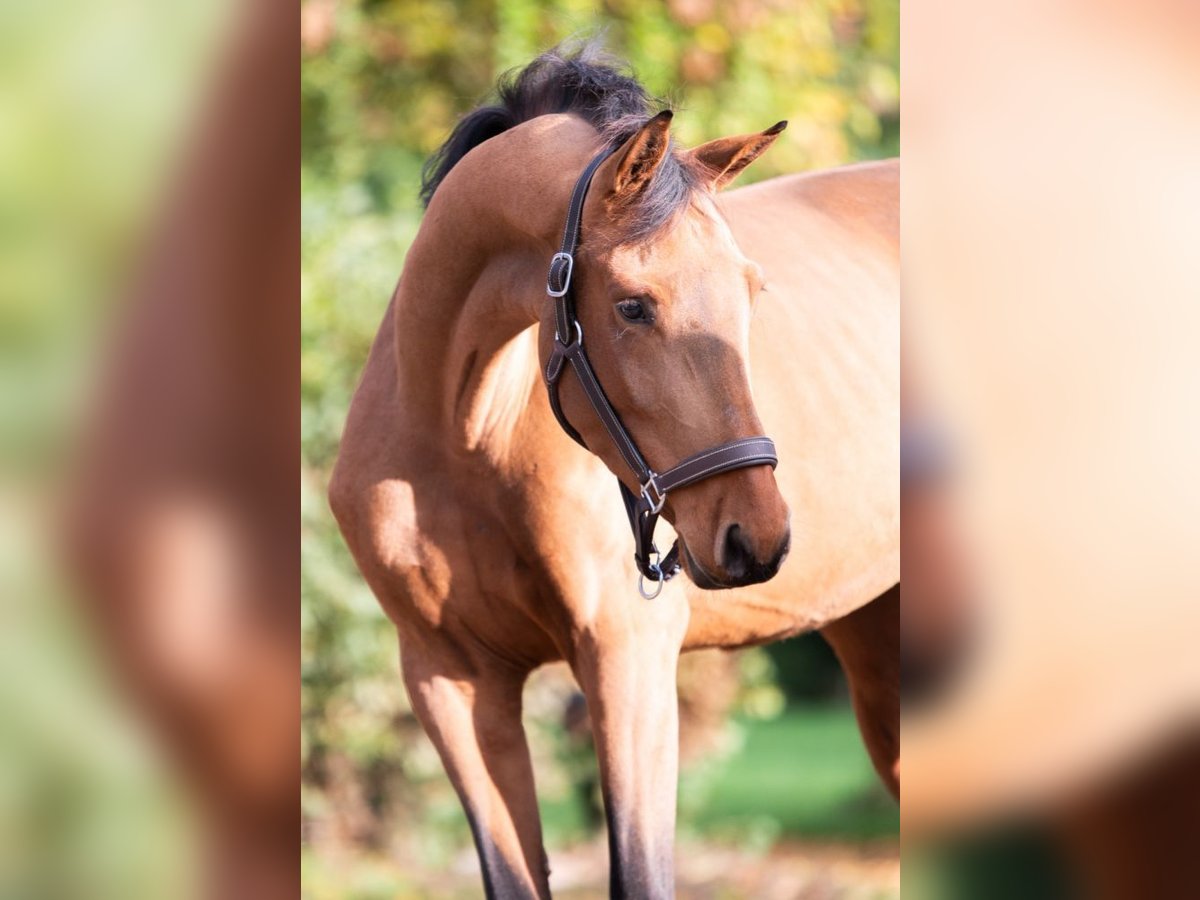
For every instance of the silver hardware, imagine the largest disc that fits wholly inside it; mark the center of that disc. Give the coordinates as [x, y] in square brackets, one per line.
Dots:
[578, 335]
[659, 581]
[652, 485]
[566, 281]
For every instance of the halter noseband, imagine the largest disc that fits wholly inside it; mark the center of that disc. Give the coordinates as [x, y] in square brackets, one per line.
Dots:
[643, 509]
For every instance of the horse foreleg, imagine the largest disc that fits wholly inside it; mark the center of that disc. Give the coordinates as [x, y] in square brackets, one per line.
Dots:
[472, 712]
[867, 643]
[626, 664]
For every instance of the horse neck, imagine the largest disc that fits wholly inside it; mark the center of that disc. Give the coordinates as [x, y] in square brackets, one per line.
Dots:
[473, 288]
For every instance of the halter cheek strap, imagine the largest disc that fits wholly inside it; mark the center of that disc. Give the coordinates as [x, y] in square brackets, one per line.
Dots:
[645, 507]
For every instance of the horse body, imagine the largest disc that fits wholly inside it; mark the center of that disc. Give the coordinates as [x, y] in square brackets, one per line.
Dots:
[496, 544]
[502, 475]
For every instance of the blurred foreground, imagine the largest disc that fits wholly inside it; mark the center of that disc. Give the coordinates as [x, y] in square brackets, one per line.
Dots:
[1050, 219]
[147, 474]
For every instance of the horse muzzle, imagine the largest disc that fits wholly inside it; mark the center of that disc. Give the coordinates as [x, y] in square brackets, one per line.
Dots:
[740, 565]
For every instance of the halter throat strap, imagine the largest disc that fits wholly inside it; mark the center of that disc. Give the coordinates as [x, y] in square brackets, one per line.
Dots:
[645, 507]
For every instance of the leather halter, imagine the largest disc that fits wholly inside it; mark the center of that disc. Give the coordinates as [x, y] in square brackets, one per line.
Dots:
[643, 509]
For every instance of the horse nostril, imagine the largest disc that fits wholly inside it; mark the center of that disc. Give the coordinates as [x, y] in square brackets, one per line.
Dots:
[738, 555]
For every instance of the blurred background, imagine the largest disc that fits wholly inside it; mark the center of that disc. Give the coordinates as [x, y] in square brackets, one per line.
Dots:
[778, 798]
[1051, 202]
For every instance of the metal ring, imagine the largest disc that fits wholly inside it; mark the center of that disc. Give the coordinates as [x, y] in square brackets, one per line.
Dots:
[578, 335]
[660, 582]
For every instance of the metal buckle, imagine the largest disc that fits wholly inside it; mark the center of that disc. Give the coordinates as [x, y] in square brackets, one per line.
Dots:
[578, 335]
[660, 580]
[652, 485]
[566, 282]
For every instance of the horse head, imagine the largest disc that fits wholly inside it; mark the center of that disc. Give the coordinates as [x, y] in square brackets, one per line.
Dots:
[665, 298]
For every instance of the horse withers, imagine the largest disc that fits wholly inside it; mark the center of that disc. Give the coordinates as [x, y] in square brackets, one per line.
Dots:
[497, 544]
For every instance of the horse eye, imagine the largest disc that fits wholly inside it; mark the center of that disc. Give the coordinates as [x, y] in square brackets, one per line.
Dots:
[632, 310]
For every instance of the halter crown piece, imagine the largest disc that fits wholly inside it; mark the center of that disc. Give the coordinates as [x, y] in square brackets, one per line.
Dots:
[643, 508]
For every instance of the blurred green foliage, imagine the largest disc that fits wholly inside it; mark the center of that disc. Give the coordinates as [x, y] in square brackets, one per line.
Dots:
[383, 82]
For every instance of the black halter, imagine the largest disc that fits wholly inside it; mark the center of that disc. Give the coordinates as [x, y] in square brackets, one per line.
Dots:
[644, 508]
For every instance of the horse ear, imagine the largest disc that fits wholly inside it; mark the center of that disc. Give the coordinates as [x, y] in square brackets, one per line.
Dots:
[725, 157]
[641, 156]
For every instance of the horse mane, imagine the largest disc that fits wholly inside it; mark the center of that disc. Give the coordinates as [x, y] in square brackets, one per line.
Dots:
[582, 81]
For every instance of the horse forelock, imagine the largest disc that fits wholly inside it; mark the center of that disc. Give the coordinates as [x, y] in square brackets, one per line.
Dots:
[584, 81]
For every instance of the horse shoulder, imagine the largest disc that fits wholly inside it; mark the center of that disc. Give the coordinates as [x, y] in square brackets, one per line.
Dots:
[375, 489]
[430, 521]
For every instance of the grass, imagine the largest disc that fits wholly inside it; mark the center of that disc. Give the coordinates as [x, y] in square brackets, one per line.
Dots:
[804, 774]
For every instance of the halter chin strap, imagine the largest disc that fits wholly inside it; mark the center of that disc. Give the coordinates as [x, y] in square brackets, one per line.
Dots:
[643, 508]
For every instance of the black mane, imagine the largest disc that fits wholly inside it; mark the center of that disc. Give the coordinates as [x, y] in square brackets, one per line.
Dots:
[584, 82]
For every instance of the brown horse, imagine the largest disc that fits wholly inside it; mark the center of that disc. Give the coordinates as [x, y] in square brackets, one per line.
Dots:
[496, 544]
